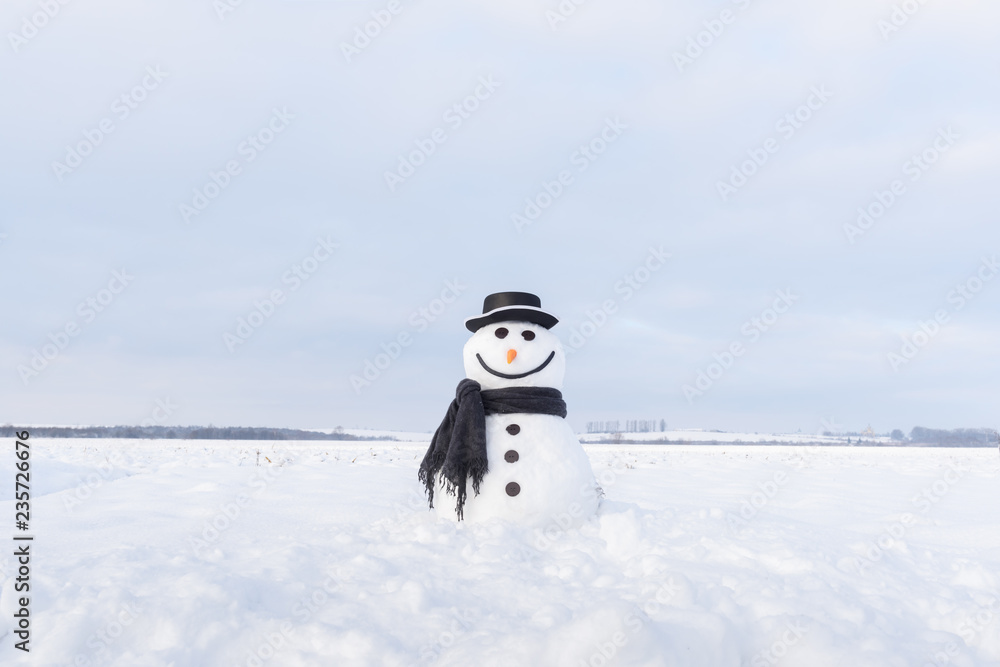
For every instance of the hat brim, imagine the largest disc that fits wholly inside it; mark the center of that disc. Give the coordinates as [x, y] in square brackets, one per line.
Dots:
[512, 314]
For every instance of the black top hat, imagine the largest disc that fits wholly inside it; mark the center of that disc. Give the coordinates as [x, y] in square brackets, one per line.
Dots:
[511, 307]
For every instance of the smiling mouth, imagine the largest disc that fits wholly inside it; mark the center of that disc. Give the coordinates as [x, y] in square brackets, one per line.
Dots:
[508, 376]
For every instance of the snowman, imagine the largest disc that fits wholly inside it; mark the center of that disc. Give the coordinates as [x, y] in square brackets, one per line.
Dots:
[505, 435]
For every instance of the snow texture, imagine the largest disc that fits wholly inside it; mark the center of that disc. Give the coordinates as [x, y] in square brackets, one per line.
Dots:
[157, 553]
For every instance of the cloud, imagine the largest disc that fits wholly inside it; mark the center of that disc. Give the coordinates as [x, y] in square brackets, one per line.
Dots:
[687, 130]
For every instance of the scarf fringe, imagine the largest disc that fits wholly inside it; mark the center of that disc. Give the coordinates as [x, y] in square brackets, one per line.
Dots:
[457, 452]
[459, 488]
[428, 474]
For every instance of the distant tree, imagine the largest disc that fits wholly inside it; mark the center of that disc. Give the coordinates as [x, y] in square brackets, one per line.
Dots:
[186, 432]
[959, 437]
[897, 435]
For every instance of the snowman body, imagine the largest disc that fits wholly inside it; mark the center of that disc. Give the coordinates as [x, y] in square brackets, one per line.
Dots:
[538, 473]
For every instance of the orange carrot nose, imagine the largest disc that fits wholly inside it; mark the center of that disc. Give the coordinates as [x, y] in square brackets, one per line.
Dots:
[510, 355]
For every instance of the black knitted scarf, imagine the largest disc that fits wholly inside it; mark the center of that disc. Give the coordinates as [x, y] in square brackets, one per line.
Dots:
[458, 448]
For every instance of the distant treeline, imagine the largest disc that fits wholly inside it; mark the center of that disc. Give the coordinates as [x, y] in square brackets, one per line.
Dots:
[628, 426]
[959, 437]
[182, 433]
[919, 436]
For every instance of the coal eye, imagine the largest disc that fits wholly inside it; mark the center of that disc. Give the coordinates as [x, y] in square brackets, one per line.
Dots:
[501, 332]
[528, 335]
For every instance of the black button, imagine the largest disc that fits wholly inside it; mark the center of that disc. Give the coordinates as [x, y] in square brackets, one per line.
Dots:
[511, 456]
[513, 489]
[513, 429]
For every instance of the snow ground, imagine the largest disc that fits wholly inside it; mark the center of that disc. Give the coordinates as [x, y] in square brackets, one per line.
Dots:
[324, 555]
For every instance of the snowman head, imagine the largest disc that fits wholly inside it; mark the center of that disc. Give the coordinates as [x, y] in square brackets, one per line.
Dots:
[515, 354]
[512, 345]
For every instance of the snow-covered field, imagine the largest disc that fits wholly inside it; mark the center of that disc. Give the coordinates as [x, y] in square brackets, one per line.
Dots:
[189, 553]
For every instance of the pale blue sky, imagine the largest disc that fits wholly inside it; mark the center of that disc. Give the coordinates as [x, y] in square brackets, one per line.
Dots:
[345, 124]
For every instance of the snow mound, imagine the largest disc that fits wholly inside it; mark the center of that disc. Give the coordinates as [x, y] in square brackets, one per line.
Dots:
[325, 553]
